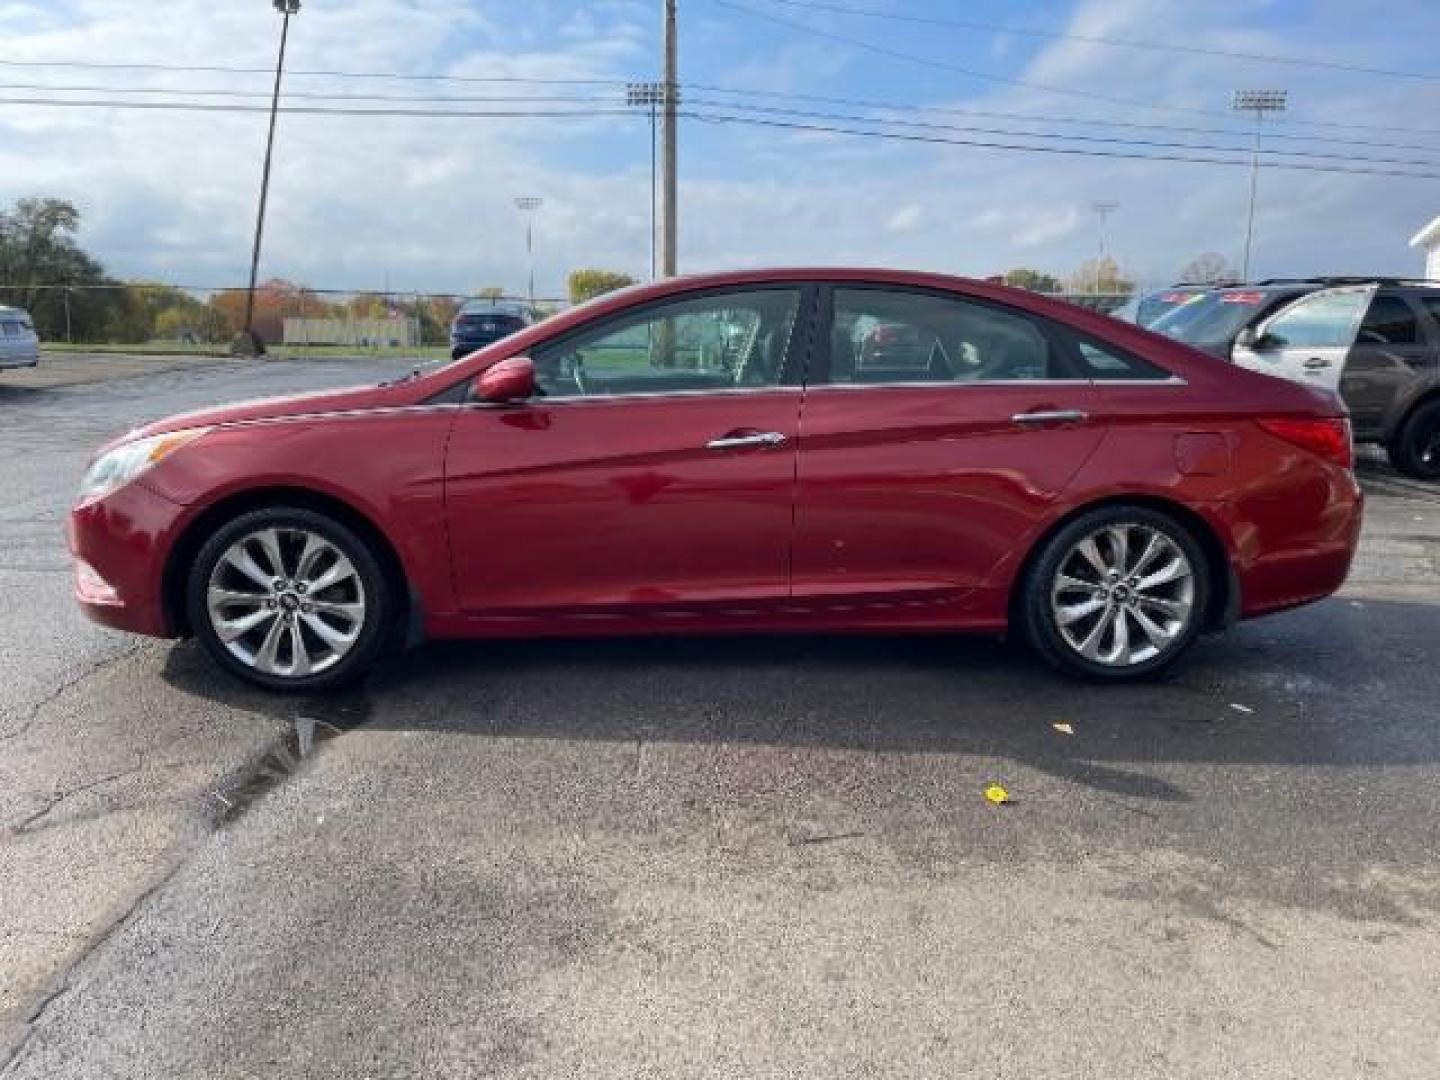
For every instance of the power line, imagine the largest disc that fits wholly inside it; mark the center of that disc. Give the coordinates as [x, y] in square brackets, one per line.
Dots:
[896, 54]
[1066, 150]
[305, 110]
[800, 123]
[1118, 43]
[221, 69]
[620, 83]
[304, 95]
[1041, 118]
[1057, 136]
[571, 98]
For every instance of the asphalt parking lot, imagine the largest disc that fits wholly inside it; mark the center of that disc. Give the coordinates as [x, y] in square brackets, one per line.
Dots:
[707, 857]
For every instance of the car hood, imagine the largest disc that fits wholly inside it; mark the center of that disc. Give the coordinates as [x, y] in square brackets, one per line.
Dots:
[329, 401]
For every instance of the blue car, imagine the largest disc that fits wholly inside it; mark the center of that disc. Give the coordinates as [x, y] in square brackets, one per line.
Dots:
[483, 322]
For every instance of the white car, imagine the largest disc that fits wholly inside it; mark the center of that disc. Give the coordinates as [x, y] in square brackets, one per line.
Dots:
[19, 345]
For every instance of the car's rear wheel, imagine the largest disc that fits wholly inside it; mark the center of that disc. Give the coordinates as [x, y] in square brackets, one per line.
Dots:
[1118, 593]
[289, 599]
[1416, 450]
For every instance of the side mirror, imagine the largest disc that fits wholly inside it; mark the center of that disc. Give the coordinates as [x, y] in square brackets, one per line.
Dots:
[1247, 338]
[508, 381]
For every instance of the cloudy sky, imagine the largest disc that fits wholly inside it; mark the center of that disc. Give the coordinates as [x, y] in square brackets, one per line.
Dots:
[426, 203]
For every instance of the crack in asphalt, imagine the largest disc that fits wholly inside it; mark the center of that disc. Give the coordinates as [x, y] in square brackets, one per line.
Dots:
[33, 713]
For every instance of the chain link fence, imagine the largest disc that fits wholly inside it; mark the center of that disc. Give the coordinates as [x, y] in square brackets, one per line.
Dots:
[289, 319]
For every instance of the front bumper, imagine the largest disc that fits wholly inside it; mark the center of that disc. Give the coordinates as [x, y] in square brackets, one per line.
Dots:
[121, 544]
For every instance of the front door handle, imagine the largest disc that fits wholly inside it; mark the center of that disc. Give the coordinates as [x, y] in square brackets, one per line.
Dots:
[739, 440]
[1315, 363]
[1050, 416]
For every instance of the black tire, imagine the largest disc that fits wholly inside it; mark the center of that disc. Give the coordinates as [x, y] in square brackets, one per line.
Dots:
[374, 590]
[1416, 450]
[1036, 613]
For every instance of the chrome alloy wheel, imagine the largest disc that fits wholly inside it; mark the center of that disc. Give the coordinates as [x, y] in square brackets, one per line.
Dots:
[286, 602]
[1123, 595]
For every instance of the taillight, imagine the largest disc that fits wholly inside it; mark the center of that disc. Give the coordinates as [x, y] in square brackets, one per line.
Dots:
[1328, 436]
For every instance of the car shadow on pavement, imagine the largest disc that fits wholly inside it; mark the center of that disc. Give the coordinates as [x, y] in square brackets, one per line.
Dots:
[1340, 683]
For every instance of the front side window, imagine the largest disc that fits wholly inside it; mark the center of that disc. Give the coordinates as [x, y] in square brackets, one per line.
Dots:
[1321, 320]
[881, 337]
[727, 341]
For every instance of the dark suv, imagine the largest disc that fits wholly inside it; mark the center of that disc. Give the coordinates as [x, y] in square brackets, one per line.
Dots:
[483, 322]
[1375, 341]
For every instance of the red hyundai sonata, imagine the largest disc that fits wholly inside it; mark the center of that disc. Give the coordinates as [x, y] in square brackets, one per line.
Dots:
[782, 450]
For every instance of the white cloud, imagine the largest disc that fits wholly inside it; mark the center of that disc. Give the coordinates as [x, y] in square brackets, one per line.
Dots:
[428, 202]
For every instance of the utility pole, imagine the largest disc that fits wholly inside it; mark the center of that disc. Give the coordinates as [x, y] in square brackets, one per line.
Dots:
[1103, 210]
[254, 346]
[648, 95]
[1259, 102]
[528, 205]
[669, 187]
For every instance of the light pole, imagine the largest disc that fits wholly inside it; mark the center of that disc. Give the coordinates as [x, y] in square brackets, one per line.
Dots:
[648, 95]
[527, 205]
[670, 186]
[252, 343]
[1259, 102]
[1103, 209]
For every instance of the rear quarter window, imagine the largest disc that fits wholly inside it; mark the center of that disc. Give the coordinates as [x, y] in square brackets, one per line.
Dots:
[1107, 363]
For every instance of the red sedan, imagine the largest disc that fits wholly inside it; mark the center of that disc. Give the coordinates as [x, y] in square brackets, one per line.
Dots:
[784, 450]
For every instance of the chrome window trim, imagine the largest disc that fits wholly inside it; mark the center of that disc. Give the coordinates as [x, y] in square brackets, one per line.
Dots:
[1173, 380]
[571, 399]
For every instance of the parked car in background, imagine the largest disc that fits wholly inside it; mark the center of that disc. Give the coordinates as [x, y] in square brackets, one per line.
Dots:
[1150, 307]
[1375, 342]
[19, 344]
[483, 322]
[1094, 488]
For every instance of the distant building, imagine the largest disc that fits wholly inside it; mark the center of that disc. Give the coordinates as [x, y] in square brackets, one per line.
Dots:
[354, 333]
[1428, 240]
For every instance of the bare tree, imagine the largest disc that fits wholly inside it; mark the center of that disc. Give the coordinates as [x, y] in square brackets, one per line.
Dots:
[1210, 268]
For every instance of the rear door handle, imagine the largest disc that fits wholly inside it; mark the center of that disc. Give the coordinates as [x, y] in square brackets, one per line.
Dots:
[739, 440]
[1050, 416]
[1315, 363]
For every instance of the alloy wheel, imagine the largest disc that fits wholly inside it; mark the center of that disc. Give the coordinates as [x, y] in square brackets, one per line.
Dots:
[286, 602]
[1123, 595]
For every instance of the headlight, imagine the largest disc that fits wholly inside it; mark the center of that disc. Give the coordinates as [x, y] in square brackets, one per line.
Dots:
[116, 468]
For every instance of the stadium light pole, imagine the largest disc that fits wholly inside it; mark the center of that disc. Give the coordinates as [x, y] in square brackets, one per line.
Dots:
[1103, 209]
[527, 205]
[1259, 102]
[254, 346]
[648, 95]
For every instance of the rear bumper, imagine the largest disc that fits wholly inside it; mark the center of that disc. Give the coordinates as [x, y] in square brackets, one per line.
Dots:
[24, 357]
[1284, 563]
[120, 544]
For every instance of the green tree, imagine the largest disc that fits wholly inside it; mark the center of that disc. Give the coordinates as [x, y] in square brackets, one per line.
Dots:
[39, 251]
[1022, 277]
[587, 284]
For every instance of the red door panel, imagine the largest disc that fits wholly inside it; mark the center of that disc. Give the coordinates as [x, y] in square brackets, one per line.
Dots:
[915, 491]
[620, 503]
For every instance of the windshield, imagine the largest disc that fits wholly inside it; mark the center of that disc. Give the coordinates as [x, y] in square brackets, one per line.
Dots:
[1211, 317]
[1155, 306]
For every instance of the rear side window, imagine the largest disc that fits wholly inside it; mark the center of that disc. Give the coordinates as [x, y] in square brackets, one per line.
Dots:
[1105, 363]
[878, 336]
[1390, 321]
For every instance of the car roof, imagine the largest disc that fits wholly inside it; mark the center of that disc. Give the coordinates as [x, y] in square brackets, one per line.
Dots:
[507, 307]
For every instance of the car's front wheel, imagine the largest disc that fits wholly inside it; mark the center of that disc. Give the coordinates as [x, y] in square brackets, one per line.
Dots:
[289, 599]
[1416, 450]
[1118, 593]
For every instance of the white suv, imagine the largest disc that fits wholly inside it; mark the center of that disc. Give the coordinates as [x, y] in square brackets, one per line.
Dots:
[19, 346]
